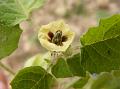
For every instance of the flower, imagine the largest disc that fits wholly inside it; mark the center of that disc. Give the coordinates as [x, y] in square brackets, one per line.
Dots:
[56, 36]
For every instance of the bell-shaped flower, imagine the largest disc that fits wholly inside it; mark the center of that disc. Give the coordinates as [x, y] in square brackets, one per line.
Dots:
[56, 36]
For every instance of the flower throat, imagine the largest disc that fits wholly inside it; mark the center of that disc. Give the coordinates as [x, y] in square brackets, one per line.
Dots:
[57, 38]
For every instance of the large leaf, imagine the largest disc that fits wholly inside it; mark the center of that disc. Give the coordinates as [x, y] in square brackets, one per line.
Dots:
[104, 81]
[12, 12]
[68, 67]
[107, 29]
[81, 82]
[74, 63]
[9, 38]
[101, 46]
[32, 78]
[61, 69]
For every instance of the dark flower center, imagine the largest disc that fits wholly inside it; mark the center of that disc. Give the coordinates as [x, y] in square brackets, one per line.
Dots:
[57, 38]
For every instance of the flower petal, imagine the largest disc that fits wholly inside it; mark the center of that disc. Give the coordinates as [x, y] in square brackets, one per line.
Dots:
[53, 27]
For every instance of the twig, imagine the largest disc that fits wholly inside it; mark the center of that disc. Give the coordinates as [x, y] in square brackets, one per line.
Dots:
[6, 68]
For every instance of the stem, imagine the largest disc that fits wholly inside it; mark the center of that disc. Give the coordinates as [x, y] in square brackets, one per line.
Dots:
[52, 62]
[6, 68]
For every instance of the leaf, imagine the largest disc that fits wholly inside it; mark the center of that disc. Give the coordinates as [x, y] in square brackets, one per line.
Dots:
[9, 38]
[12, 12]
[42, 60]
[116, 73]
[107, 29]
[68, 67]
[61, 69]
[32, 78]
[101, 81]
[74, 63]
[104, 81]
[81, 82]
[101, 49]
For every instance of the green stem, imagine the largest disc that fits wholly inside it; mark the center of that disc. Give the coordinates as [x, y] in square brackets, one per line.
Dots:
[51, 65]
[52, 62]
[7, 68]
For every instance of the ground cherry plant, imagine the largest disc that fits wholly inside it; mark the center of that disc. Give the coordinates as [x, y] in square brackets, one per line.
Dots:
[96, 65]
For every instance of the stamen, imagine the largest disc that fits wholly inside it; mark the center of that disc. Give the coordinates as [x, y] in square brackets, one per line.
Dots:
[57, 38]
[64, 38]
[51, 35]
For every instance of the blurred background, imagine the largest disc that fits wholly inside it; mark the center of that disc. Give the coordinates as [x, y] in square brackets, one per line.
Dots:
[79, 14]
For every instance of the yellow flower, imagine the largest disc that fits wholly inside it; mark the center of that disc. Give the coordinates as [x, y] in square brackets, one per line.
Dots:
[56, 36]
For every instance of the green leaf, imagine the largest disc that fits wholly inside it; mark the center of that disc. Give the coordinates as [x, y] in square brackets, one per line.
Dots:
[42, 60]
[102, 81]
[9, 38]
[61, 69]
[105, 81]
[101, 49]
[107, 29]
[74, 63]
[81, 82]
[68, 67]
[32, 78]
[12, 12]
[116, 73]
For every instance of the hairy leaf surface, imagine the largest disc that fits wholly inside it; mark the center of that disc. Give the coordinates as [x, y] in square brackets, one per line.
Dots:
[12, 12]
[68, 67]
[101, 46]
[32, 78]
[9, 38]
